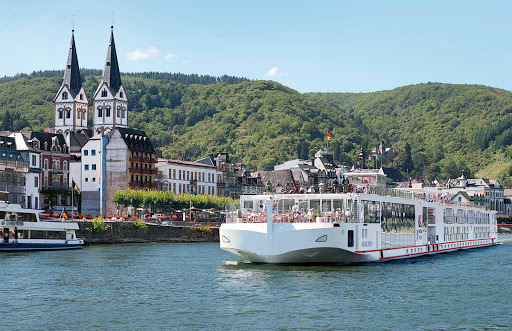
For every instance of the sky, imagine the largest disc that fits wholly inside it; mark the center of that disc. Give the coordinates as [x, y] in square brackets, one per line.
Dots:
[310, 46]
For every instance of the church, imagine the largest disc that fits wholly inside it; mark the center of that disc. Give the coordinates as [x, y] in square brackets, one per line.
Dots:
[108, 156]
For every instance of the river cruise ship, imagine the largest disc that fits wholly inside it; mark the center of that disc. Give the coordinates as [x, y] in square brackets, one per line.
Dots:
[22, 230]
[369, 224]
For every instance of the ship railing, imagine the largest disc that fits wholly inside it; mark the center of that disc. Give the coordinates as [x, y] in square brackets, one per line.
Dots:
[291, 217]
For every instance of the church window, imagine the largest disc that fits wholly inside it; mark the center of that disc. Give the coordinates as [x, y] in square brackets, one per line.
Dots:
[81, 96]
[107, 112]
[123, 114]
[121, 94]
[65, 95]
[118, 112]
[100, 112]
[104, 93]
[60, 113]
[68, 113]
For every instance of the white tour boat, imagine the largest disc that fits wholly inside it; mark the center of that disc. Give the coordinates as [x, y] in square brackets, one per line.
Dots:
[21, 230]
[378, 224]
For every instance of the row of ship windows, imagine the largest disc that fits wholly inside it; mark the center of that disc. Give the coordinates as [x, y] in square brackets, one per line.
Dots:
[470, 243]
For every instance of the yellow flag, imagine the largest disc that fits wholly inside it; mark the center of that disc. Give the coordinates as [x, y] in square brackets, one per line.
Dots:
[76, 187]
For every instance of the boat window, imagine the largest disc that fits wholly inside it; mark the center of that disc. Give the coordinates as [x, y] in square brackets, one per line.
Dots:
[398, 225]
[285, 205]
[2, 215]
[337, 204]
[248, 204]
[47, 234]
[314, 204]
[326, 205]
[27, 217]
[371, 210]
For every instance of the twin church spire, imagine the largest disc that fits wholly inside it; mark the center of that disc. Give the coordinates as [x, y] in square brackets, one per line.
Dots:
[110, 104]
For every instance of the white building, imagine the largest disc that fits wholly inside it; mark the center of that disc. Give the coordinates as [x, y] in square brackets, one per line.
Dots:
[179, 176]
[91, 179]
[110, 104]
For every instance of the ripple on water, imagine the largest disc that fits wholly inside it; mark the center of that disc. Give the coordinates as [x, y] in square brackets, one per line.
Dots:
[197, 286]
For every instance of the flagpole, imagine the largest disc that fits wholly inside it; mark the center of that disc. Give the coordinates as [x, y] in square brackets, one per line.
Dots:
[72, 204]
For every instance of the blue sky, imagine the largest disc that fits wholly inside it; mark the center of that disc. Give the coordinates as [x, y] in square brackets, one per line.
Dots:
[326, 46]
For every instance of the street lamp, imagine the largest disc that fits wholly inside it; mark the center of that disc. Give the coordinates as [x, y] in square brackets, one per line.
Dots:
[192, 182]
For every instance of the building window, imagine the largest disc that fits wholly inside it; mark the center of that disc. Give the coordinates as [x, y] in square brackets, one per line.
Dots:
[60, 113]
[93, 152]
[123, 112]
[65, 95]
[78, 114]
[94, 179]
[68, 113]
[86, 152]
[121, 94]
[107, 112]
[104, 93]
[45, 164]
[87, 180]
[36, 181]
[93, 167]
[34, 161]
[65, 165]
[86, 167]
[81, 96]
[118, 112]
[100, 112]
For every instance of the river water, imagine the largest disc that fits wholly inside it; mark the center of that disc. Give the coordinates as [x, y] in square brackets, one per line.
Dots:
[199, 286]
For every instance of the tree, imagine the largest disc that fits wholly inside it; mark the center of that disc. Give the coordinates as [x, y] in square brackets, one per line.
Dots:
[404, 159]
[8, 124]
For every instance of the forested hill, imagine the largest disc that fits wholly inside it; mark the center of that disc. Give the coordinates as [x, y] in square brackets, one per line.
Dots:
[448, 126]
[261, 123]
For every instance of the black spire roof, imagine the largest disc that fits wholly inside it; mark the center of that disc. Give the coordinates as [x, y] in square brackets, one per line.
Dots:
[72, 72]
[111, 73]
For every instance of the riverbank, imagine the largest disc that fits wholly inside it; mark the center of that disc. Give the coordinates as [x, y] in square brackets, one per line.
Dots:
[128, 232]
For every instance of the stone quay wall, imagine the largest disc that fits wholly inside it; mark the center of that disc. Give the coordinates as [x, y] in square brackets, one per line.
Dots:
[127, 232]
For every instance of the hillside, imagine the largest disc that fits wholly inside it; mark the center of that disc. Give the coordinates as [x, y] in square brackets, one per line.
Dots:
[259, 123]
[449, 127]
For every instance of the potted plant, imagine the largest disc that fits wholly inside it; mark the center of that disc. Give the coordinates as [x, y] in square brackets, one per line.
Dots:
[239, 216]
[318, 216]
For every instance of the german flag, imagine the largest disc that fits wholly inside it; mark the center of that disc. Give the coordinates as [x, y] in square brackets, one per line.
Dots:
[328, 135]
[64, 214]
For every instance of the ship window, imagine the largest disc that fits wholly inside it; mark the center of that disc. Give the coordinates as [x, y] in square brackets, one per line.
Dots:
[321, 239]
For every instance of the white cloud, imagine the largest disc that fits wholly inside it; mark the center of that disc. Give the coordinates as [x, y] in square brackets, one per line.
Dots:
[170, 57]
[146, 54]
[275, 73]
